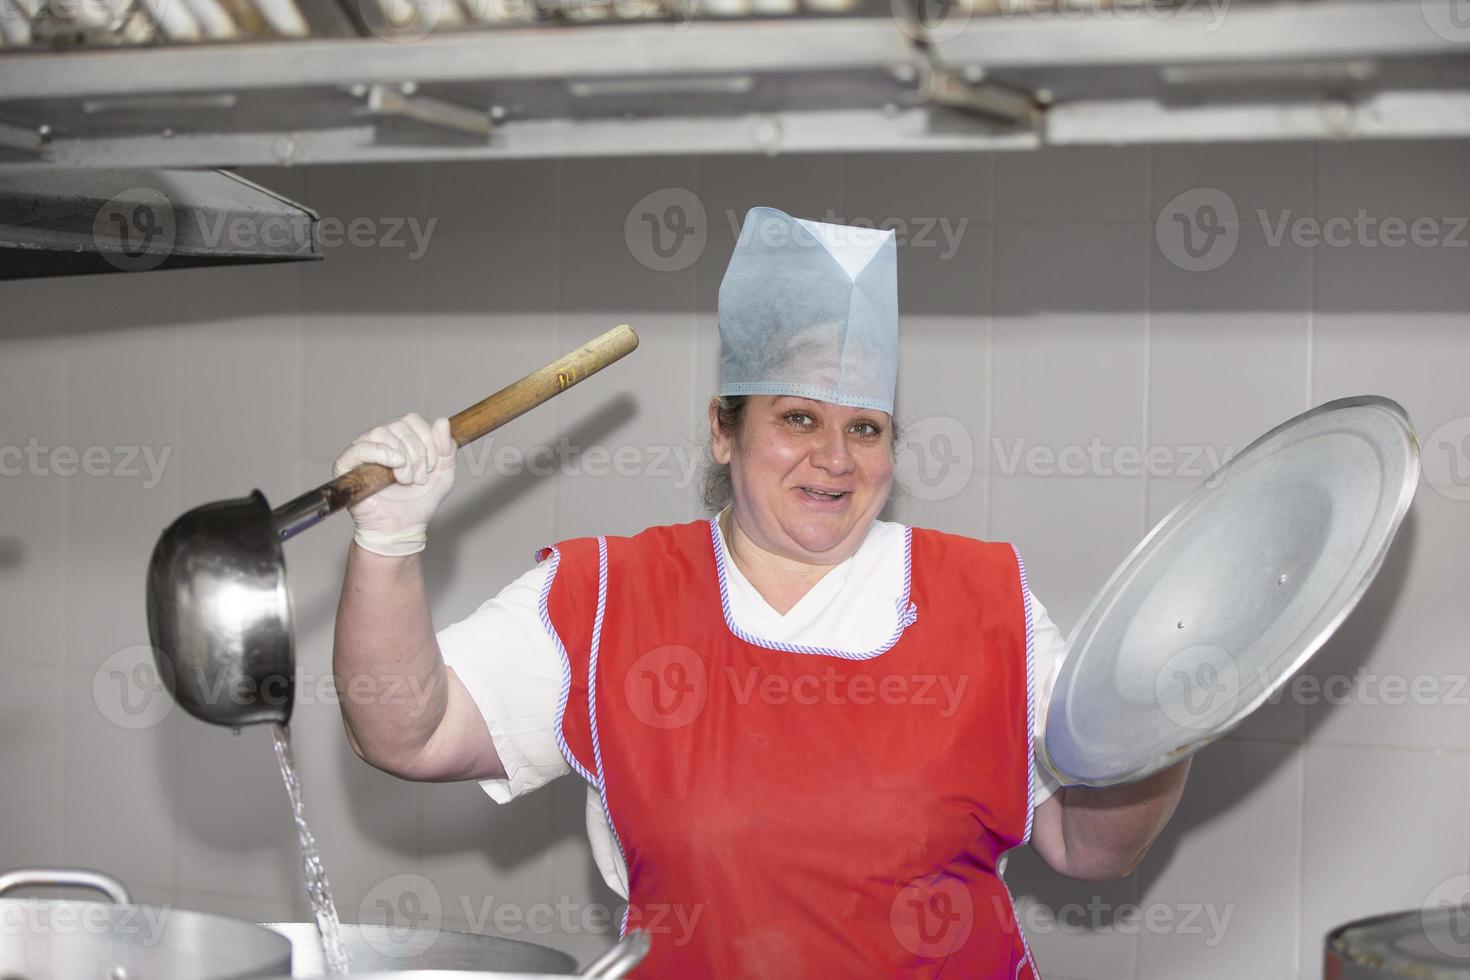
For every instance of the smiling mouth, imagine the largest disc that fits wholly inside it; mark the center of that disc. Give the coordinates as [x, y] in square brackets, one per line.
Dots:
[825, 494]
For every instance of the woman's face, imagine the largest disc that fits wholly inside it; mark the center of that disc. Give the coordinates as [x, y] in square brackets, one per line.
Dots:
[808, 477]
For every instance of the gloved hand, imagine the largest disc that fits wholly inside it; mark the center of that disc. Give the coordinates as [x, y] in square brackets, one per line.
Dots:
[394, 521]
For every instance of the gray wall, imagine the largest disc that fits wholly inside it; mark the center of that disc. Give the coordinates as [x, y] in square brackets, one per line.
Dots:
[1057, 320]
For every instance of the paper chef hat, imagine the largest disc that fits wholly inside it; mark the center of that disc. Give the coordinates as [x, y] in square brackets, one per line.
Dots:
[811, 309]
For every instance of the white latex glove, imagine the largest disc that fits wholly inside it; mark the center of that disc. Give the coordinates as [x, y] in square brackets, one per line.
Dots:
[395, 520]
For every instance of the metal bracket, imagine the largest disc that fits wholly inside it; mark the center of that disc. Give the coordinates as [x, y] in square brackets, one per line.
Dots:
[388, 104]
[951, 89]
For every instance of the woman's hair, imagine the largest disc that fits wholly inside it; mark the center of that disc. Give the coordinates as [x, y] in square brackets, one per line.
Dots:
[729, 415]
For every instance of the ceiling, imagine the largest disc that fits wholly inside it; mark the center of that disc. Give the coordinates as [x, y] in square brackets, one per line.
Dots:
[317, 81]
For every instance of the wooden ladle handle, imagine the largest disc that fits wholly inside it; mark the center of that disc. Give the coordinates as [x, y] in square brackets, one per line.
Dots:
[510, 402]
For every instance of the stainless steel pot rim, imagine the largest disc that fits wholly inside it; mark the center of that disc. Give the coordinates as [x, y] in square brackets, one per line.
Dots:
[1427, 944]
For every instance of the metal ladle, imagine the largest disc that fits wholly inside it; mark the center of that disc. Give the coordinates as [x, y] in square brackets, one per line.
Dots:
[219, 612]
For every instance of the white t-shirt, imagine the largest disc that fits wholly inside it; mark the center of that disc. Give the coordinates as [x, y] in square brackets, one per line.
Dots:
[511, 667]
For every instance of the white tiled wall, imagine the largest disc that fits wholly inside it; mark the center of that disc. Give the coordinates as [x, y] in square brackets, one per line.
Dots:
[1053, 320]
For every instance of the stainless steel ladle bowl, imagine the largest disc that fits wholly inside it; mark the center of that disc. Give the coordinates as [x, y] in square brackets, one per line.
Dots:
[219, 612]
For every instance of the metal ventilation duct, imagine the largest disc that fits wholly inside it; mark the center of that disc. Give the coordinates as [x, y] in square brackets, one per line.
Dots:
[59, 222]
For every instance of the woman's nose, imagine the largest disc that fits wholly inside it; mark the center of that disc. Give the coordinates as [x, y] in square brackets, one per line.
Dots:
[832, 455]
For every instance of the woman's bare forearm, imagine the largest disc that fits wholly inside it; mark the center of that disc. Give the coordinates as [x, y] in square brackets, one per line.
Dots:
[1102, 833]
[391, 678]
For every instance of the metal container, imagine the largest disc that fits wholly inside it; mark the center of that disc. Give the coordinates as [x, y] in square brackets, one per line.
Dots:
[50, 939]
[1231, 593]
[386, 948]
[1429, 944]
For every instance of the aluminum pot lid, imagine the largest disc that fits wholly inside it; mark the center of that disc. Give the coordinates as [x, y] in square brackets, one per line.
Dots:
[1231, 593]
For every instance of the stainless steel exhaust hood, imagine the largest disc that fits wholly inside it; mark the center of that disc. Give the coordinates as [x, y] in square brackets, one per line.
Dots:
[205, 83]
[57, 221]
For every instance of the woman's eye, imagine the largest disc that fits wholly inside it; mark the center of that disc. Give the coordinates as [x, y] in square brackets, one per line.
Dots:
[798, 418]
[867, 428]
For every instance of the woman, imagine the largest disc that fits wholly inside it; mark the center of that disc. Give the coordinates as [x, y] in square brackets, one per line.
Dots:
[807, 733]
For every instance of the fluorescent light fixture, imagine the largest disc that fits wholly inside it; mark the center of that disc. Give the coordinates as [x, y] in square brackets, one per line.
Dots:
[1302, 71]
[732, 85]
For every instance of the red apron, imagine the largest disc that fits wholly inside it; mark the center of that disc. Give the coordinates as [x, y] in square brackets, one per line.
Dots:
[794, 811]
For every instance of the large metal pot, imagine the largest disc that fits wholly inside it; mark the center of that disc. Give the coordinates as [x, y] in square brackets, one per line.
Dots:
[1429, 944]
[491, 956]
[51, 939]
[372, 948]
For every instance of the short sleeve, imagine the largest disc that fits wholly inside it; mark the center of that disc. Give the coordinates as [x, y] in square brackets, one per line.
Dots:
[1048, 650]
[510, 667]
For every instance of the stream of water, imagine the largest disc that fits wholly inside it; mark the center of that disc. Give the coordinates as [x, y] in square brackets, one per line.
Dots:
[317, 889]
